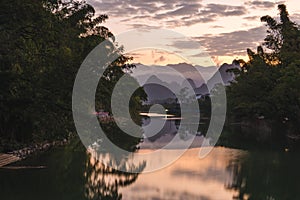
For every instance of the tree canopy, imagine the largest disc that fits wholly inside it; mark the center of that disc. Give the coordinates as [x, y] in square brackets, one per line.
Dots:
[43, 44]
[268, 86]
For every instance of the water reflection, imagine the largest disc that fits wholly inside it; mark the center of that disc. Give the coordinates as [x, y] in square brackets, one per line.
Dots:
[265, 175]
[106, 168]
[74, 173]
[104, 182]
[225, 174]
[70, 173]
[188, 178]
[166, 135]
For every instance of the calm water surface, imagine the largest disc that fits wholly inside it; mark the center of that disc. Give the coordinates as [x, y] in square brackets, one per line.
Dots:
[70, 173]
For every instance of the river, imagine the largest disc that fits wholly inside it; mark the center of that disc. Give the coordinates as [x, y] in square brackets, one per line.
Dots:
[71, 173]
[65, 173]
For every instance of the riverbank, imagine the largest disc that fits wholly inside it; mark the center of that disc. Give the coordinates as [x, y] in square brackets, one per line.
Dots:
[240, 136]
[30, 149]
[27, 151]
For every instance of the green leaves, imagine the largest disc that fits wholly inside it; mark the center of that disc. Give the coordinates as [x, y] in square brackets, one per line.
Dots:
[269, 84]
[43, 44]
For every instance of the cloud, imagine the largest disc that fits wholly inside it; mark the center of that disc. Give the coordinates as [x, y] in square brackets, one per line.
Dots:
[224, 44]
[185, 9]
[263, 4]
[252, 18]
[233, 43]
[138, 7]
[202, 54]
[223, 10]
[216, 26]
[171, 13]
[186, 44]
[295, 18]
[142, 26]
[192, 14]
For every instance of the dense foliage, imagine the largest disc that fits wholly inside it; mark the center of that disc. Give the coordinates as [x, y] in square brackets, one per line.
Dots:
[268, 86]
[43, 44]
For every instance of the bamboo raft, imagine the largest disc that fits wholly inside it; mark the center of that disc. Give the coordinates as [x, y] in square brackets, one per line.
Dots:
[6, 159]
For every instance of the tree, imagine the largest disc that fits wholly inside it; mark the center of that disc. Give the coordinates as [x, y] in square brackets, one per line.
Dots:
[43, 44]
[267, 87]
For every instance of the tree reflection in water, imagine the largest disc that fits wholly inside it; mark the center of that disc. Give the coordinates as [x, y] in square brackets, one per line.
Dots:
[108, 169]
[265, 175]
[103, 181]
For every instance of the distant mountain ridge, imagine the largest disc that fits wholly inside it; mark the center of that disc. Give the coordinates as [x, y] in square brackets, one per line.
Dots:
[166, 81]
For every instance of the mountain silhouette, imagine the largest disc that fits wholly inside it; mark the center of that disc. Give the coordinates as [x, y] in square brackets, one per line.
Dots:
[166, 81]
[158, 91]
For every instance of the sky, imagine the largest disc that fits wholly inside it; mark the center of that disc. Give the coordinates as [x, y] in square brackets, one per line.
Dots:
[223, 28]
